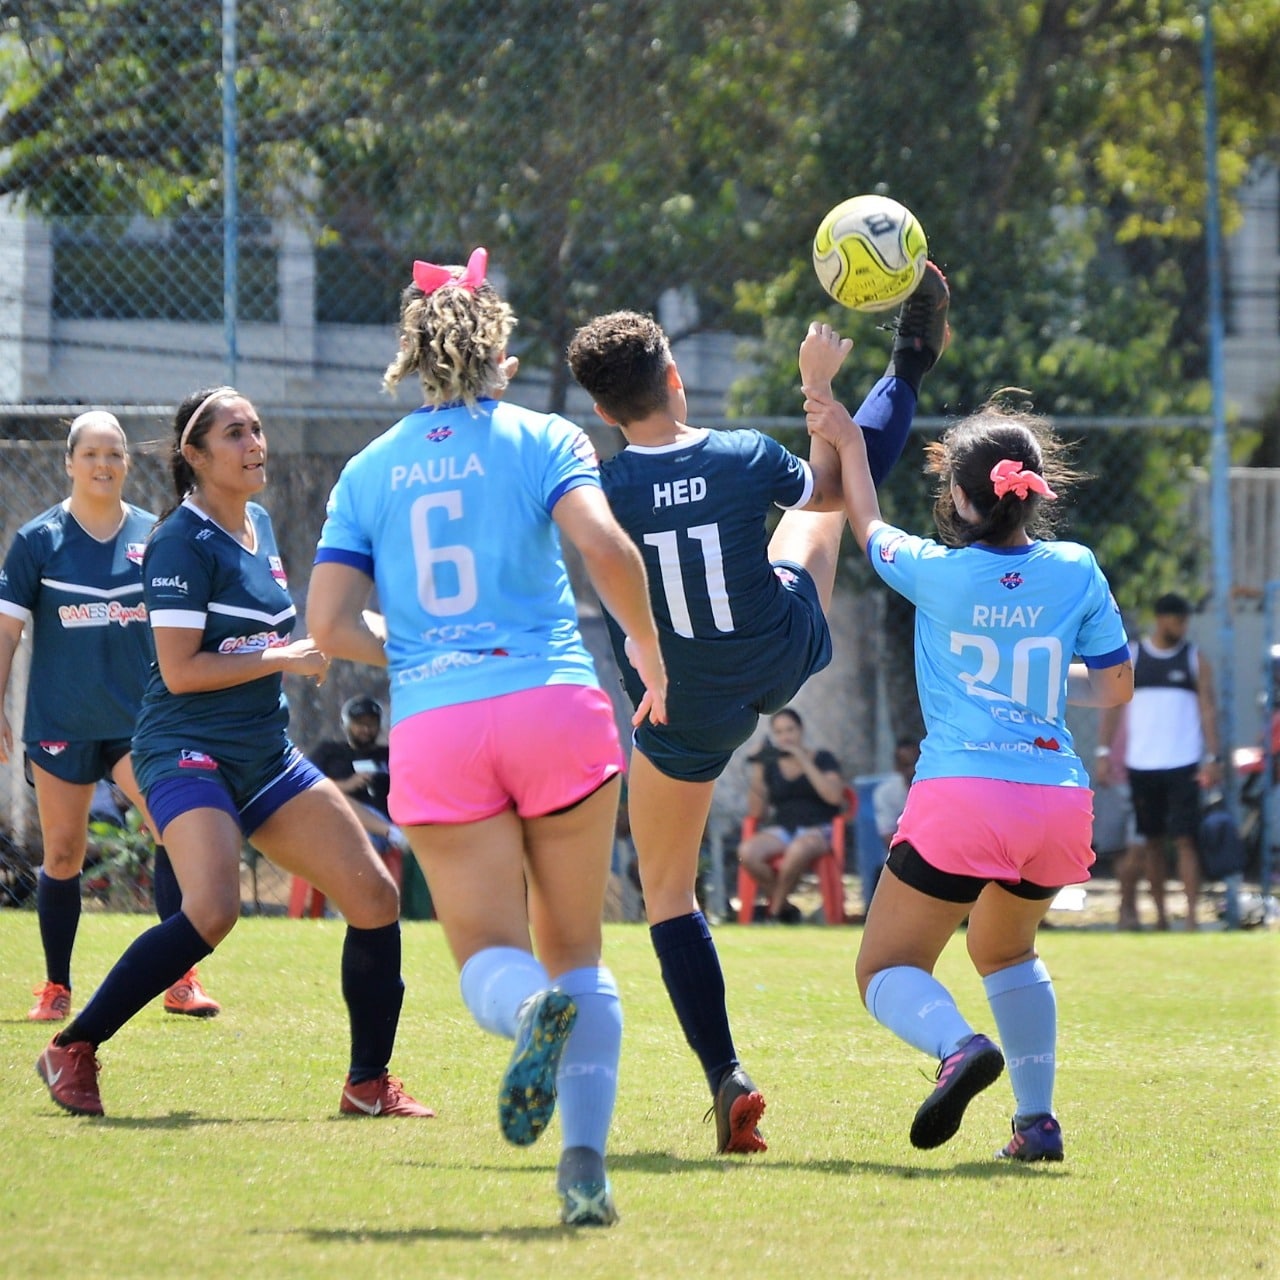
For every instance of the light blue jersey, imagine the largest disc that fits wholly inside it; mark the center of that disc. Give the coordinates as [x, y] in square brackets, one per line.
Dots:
[430, 511]
[996, 630]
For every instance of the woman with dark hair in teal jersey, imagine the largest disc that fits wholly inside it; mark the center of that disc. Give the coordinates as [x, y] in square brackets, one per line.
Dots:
[213, 757]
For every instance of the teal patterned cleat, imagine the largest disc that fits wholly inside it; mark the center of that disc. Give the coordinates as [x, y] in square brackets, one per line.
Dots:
[527, 1098]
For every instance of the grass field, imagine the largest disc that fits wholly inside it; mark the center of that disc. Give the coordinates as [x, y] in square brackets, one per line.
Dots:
[222, 1154]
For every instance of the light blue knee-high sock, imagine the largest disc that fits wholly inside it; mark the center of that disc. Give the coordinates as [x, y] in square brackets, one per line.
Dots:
[495, 982]
[587, 1083]
[1026, 1013]
[915, 1006]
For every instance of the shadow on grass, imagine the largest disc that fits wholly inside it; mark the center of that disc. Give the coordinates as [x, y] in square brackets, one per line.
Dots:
[174, 1120]
[329, 1235]
[663, 1162]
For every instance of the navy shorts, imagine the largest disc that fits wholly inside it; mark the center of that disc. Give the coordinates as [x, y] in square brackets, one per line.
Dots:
[80, 763]
[706, 730]
[174, 794]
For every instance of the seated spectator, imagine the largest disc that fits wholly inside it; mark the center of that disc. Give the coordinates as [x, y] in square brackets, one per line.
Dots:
[359, 764]
[800, 792]
[888, 800]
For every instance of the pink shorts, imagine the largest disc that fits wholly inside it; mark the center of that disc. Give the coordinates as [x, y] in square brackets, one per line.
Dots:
[536, 751]
[996, 830]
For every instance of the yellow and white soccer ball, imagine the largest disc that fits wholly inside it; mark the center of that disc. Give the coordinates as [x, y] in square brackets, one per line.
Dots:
[869, 253]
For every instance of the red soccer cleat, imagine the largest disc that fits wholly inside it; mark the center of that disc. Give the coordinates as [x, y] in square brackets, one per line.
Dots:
[53, 1003]
[71, 1072]
[189, 997]
[382, 1096]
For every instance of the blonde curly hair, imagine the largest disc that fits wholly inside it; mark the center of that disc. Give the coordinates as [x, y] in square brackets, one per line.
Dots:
[454, 339]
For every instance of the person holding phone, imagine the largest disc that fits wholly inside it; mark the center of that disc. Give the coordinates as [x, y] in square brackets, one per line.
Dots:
[801, 791]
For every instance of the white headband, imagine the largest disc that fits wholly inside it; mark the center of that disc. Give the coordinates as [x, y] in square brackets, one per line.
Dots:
[213, 395]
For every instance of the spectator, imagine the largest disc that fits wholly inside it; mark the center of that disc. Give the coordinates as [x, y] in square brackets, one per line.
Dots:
[888, 802]
[359, 764]
[800, 791]
[1171, 750]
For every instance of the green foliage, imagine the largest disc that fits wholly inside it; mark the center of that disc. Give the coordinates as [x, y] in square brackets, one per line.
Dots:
[125, 855]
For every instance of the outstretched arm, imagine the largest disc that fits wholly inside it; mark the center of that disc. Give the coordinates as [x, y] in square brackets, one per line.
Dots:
[822, 353]
[829, 420]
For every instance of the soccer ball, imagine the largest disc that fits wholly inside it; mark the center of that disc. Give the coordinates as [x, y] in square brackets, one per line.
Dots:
[869, 253]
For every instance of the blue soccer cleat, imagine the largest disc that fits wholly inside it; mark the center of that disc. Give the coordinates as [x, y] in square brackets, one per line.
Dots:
[1038, 1139]
[961, 1077]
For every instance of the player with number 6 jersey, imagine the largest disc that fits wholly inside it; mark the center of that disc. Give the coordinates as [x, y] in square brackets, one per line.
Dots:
[505, 758]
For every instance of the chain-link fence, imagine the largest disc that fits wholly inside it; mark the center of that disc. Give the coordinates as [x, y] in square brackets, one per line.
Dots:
[235, 191]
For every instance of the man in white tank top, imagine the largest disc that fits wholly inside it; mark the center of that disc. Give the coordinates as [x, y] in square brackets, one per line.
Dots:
[1172, 748]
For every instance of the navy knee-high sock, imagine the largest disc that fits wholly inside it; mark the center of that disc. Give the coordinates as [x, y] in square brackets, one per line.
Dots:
[885, 417]
[164, 885]
[153, 962]
[374, 991]
[58, 907]
[695, 983]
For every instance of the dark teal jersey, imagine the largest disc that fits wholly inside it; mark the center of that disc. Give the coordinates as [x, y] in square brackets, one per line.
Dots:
[90, 644]
[197, 576]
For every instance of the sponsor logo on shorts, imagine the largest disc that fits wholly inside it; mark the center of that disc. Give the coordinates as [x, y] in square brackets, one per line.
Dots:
[195, 760]
[53, 748]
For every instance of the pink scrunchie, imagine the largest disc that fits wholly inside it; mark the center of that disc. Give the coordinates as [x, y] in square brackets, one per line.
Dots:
[1008, 476]
[429, 277]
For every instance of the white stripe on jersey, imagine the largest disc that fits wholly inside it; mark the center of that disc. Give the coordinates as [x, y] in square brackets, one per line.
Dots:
[102, 593]
[254, 615]
[191, 619]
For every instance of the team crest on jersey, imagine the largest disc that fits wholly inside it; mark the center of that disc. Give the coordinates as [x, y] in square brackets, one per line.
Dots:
[438, 435]
[195, 760]
[53, 748]
[277, 571]
[889, 547]
[584, 450]
[1010, 581]
[133, 552]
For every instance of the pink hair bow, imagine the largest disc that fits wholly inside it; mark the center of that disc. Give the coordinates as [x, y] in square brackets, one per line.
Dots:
[1008, 477]
[429, 277]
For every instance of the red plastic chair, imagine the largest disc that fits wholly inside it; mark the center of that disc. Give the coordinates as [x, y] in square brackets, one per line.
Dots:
[306, 900]
[829, 868]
